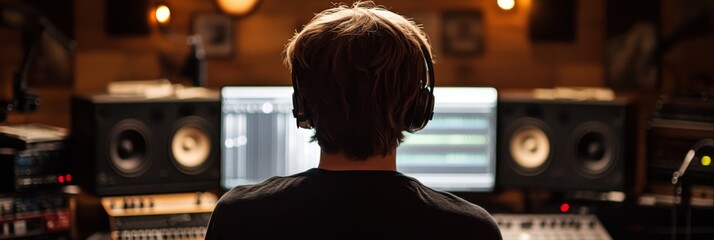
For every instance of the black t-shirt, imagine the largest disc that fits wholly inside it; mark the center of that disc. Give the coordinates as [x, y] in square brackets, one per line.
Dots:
[321, 204]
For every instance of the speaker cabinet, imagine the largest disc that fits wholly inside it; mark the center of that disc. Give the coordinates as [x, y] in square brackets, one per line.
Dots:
[143, 146]
[563, 145]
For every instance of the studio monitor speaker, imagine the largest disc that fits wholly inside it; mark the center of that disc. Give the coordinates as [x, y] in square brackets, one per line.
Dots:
[563, 144]
[143, 146]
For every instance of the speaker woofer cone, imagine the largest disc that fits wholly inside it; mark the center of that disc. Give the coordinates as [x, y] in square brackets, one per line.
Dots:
[593, 149]
[190, 145]
[529, 146]
[129, 148]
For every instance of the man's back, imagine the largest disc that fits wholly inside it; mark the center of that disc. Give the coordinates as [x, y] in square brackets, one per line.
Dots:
[321, 204]
[362, 76]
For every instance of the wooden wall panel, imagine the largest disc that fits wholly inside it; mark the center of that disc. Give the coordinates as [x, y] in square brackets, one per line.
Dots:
[509, 59]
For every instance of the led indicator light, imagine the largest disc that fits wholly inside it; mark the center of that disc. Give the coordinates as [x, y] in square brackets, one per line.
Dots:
[706, 161]
[564, 207]
[60, 179]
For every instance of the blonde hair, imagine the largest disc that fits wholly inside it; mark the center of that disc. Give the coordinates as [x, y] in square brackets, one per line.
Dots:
[359, 69]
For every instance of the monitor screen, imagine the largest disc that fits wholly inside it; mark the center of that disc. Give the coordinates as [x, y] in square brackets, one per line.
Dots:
[454, 152]
[260, 136]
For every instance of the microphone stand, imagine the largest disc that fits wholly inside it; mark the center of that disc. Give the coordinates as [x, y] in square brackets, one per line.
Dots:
[683, 192]
[195, 66]
[24, 100]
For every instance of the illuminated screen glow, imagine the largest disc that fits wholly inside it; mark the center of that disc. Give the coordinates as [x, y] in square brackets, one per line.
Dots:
[454, 152]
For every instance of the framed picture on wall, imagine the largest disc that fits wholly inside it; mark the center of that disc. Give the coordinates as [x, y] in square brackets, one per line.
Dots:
[217, 33]
[462, 32]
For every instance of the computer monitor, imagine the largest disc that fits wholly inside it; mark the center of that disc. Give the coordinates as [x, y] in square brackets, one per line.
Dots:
[260, 136]
[455, 152]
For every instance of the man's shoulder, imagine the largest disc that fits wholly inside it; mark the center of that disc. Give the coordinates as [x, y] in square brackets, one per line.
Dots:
[260, 191]
[454, 204]
[458, 214]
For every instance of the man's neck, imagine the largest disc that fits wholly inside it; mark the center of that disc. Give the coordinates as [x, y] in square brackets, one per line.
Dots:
[340, 162]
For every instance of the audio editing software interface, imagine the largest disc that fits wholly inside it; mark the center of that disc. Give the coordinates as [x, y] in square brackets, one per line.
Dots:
[455, 152]
[260, 136]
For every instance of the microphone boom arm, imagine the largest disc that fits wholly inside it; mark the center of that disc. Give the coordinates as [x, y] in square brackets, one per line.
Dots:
[688, 158]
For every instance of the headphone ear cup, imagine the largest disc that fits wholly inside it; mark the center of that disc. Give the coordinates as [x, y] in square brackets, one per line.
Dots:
[422, 111]
[299, 112]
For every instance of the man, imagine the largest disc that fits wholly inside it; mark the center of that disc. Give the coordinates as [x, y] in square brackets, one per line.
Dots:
[361, 77]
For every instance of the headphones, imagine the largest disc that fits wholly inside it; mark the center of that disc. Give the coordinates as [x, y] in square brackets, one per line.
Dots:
[421, 110]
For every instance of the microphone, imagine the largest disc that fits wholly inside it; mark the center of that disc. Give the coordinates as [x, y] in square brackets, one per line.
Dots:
[34, 25]
[688, 158]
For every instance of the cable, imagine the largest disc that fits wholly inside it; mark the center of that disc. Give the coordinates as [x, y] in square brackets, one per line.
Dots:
[675, 196]
[689, 223]
[707, 142]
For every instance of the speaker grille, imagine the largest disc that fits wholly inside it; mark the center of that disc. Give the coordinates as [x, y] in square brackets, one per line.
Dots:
[593, 149]
[130, 148]
[529, 146]
[190, 145]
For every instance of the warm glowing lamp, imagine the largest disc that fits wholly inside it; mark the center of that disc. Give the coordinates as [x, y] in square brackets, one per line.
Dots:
[506, 4]
[162, 13]
[195, 66]
[237, 7]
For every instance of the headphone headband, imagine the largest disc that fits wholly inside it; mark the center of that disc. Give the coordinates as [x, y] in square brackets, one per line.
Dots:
[430, 68]
[421, 111]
